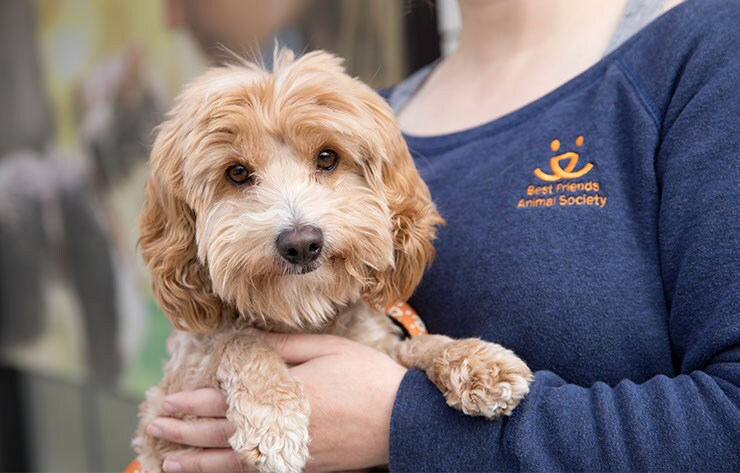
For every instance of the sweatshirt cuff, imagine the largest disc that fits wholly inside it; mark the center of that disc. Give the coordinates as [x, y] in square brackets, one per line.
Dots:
[428, 435]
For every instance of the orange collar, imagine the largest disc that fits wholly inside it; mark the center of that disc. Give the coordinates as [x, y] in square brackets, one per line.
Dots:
[407, 318]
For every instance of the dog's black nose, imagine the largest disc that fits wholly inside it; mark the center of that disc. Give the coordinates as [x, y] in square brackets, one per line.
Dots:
[300, 245]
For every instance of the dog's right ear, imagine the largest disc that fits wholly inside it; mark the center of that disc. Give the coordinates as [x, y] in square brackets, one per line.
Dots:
[181, 284]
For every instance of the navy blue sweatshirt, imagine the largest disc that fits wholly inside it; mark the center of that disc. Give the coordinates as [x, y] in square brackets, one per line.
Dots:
[596, 232]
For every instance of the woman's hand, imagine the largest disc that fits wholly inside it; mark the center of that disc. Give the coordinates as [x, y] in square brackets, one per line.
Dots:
[351, 389]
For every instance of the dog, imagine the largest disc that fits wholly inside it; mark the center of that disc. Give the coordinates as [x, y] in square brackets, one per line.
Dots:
[288, 201]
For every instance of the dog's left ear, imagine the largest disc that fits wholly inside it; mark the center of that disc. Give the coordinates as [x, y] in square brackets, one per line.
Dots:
[392, 174]
[180, 282]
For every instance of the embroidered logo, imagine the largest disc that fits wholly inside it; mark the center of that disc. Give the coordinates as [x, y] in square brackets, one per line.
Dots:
[557, 171]
[563, 194]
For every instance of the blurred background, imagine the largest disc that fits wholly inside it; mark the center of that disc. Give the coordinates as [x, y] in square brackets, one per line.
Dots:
[82, 85]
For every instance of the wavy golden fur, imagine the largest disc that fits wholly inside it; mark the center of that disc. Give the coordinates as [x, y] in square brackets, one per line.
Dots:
[211, 248]
[380, 212]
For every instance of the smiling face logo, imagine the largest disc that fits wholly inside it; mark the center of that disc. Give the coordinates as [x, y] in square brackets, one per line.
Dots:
[559, 172]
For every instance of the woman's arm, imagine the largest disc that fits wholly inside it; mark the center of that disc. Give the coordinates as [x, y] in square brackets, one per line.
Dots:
[690, 422]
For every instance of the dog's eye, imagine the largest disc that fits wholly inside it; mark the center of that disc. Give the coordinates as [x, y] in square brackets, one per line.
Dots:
[327, 160]
[238, 175]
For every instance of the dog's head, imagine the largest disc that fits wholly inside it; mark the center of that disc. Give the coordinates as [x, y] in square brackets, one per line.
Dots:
[284, 195]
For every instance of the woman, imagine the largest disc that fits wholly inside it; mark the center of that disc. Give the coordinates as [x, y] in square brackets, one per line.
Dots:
[593, 227]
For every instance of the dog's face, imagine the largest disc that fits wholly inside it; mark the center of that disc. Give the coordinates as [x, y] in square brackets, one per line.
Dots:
[285, 195]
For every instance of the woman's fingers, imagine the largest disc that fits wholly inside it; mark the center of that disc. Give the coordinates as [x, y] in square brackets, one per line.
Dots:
[212, 460]
[195, 433]
[300, 348]
[206, 402]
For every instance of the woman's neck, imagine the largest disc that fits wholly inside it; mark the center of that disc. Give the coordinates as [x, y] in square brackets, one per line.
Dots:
[510, 53]
[494, 31]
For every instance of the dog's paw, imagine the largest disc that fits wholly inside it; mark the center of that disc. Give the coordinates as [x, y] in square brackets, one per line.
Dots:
[272, 436]
[480, 378]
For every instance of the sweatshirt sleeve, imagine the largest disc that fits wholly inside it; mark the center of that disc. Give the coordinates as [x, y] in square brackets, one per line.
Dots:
[688, 422]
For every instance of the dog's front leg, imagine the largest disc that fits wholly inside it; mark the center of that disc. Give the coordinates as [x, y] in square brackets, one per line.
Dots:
[267, 406]
[477, 377]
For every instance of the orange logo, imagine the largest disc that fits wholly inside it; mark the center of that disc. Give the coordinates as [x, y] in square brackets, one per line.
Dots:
[558, 172]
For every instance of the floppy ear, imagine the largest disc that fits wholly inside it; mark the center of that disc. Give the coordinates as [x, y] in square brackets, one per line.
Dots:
[392, 174]
[181, 284]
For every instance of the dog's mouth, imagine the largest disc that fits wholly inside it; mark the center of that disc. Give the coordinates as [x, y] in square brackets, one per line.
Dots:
[298, 270]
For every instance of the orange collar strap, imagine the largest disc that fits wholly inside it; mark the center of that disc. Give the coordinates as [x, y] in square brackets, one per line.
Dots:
[407, 318]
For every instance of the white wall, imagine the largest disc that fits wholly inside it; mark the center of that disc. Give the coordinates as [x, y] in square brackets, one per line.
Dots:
[448, 19]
